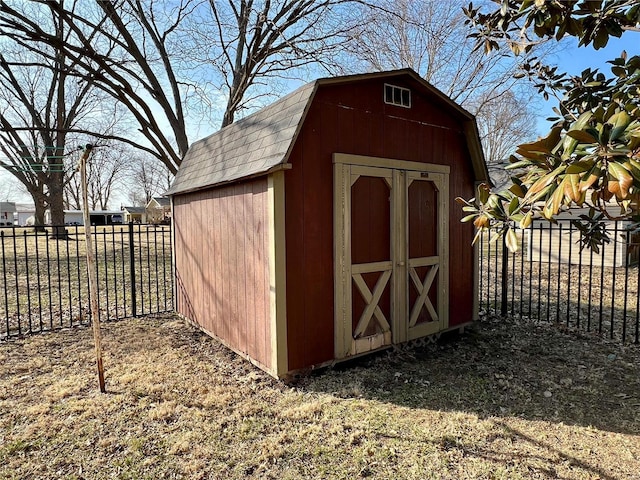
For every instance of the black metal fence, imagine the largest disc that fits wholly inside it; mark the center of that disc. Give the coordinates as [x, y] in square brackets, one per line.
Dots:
[551, 279]
[44, 283]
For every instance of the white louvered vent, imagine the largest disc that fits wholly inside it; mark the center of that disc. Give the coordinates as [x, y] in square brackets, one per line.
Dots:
[395, 95]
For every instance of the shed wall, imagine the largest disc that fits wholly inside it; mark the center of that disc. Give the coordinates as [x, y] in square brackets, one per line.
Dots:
[222, 265]
[354, 119]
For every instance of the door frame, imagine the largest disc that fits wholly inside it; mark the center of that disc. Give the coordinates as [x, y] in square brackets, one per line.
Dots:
[344, 166]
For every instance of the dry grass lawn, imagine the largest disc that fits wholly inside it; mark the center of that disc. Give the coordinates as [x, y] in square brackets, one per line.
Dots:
[506, 401]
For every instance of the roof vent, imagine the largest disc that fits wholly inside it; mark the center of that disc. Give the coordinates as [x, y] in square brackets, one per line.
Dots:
[399, 96]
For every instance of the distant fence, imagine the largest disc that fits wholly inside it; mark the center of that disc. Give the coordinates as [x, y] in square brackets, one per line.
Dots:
[44, 284]
[551, 279]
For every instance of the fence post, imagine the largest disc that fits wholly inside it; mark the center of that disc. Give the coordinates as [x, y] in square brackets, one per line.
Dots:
[505, 273]
[132, 270]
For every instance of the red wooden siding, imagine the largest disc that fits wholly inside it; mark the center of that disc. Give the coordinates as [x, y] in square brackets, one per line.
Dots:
[222, 268]
[353, 118]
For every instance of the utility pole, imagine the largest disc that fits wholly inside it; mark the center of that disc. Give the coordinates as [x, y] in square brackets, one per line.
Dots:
[91, 265]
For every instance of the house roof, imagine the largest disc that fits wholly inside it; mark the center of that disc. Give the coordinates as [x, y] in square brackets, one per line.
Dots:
[7, 207]
[262, 141]
[161, 201]
[25, 208]
[134, 209]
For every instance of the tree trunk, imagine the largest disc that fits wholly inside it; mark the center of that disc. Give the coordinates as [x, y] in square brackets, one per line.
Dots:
[56, 206]
[40, 203]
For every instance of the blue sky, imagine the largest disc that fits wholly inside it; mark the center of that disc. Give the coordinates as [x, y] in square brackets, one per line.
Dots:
[574, 60]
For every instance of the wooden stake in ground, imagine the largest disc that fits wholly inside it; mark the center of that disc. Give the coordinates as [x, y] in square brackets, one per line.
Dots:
[91, 265]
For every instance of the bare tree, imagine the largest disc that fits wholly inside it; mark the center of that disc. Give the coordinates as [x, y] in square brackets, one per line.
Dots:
[42, 106]
[146, 179]
[106, 173]
[9, 190]
[252, 44]
[120, 48]
[501, 119]
[128, 49]
[430, 36]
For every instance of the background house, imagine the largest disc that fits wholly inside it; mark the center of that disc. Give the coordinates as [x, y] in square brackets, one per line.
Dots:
[324, 226]
[98, 217]
[134, 214]
[158, 210]
[560, 243]
[7, 211]
[26, 214]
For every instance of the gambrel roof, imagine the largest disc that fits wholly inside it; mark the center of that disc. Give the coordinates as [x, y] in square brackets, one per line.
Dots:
[262, 141]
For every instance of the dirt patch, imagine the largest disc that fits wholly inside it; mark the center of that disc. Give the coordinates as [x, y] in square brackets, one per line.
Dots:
[506, 400]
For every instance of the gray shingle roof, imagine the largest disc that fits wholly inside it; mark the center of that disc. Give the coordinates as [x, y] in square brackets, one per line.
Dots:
[135, 209]
[162, 201]
[263, 140]
[250, 146]
[7, 207]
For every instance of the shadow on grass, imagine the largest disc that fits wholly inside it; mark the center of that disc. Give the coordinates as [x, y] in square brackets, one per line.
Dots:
[503, 368]
[598, 316]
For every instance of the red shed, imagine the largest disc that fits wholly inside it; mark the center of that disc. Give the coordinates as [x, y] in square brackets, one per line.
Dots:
[324, 226]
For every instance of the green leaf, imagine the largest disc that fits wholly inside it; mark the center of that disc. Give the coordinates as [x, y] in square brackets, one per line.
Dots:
[580, 167]
[517, 190]
[588, 180]
[582, 136]
[621, 121]
[483, 193]
[513, 205]
[520, 164]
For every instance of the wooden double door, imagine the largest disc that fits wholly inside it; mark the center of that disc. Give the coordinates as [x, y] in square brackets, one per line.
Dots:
[391, 251]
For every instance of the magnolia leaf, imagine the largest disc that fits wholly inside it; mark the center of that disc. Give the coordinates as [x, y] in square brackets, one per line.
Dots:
[495, 237]
[620, 122]
[547, 213]
[541, 194]
[526, 220]
[580, 167]
[482, 221]
[545, 181]
[625, 204]
[556, 200]
[581, 136]
[517, 190]
[483, 193]
[544, 145]
[572, 187]
[516, 165]
[513, 205]
[569, 144]
[588, 180]
[511, 240]
[477, 236]
[623, 179]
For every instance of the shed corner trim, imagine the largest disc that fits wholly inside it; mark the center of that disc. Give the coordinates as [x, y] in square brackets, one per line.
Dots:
[277, 272]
